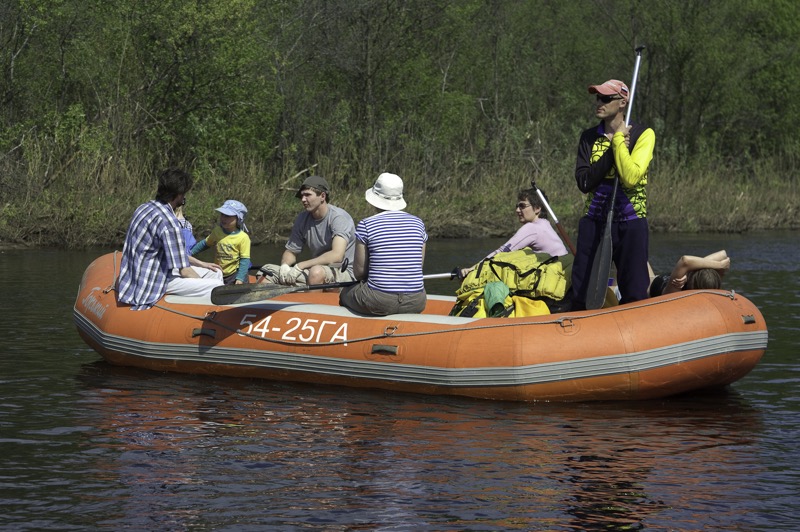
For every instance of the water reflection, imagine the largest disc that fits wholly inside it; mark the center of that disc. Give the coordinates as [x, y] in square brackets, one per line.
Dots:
[86, 445]
[204, 452]
[670, 450]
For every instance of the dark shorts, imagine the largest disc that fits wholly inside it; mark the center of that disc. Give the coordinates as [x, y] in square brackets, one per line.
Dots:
[231, 279]
[658, 284]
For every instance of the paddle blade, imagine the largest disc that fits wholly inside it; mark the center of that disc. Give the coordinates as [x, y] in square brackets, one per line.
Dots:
[601, 268]
[249, 293]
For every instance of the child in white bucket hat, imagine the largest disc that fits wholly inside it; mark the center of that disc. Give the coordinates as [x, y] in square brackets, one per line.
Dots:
[230, 241]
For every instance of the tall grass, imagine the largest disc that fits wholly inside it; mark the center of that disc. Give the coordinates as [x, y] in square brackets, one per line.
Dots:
[87, 199]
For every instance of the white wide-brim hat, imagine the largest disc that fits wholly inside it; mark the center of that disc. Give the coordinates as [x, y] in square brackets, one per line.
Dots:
[387, 193]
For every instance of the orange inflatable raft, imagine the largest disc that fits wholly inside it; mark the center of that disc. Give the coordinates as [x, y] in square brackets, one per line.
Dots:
[656, 348]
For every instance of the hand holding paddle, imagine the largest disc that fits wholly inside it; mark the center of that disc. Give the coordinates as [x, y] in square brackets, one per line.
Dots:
[601, 267]
[249, 293]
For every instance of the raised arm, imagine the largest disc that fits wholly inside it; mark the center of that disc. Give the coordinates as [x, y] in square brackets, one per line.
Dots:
[718, 260]
[720, 256]
[632, 165]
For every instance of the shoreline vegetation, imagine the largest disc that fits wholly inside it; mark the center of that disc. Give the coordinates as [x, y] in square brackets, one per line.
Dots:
[466, 100]
[93, 206]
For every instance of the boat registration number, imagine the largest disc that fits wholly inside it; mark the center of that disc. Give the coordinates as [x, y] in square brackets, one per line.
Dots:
[294, 329]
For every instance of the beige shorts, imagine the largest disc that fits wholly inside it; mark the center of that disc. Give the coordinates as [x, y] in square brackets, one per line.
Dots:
[333, 274]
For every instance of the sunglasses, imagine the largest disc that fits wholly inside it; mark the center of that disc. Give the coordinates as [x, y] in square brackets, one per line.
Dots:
[523, 206]
[606, 99]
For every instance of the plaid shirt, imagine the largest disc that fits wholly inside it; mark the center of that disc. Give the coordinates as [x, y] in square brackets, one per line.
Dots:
[154, 245]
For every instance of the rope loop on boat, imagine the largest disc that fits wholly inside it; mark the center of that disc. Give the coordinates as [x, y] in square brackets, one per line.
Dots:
[563, 320]
[113, 279]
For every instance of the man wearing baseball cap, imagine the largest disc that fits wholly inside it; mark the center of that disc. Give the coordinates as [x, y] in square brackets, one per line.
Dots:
[328, 232]
[606, 152]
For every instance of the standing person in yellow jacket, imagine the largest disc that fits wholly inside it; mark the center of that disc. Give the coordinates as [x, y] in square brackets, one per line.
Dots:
[608, 151]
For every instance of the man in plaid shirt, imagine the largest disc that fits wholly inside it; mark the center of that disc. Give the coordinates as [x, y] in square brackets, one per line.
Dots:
[154, 258]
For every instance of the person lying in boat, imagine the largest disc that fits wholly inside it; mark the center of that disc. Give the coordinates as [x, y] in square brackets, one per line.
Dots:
[329, 233]
[691, 273]
[230, 241]
[536, 232]
[390, 250]
[154, 258]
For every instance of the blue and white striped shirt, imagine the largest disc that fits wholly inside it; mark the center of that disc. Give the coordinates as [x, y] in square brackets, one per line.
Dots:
[154, 245]
[394, 240]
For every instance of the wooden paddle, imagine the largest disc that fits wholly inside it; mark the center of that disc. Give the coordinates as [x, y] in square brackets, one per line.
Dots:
[601, 267]
[561, 230]
[560, 227]
[248, 293]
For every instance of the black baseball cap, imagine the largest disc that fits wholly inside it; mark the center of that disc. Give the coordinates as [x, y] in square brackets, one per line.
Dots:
[314, 181]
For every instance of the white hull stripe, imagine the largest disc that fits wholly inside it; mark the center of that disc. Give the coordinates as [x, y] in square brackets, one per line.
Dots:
[433, 375]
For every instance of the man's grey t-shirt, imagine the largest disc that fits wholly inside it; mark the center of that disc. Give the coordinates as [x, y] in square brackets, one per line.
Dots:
[318, 234]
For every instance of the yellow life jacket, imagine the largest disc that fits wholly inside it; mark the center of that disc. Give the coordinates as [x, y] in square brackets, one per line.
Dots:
[527, 274]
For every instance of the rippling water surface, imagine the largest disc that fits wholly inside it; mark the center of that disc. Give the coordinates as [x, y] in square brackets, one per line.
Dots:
[84, 445]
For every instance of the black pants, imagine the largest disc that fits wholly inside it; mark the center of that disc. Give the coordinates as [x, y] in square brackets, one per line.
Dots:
[630, 241]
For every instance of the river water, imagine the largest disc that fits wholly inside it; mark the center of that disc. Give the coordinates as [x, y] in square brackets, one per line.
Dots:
[84, 445]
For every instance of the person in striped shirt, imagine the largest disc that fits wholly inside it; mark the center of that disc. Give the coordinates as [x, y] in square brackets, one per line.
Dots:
[390, 251]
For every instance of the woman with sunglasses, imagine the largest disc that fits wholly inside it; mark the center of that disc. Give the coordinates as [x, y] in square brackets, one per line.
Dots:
[536, 232]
